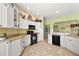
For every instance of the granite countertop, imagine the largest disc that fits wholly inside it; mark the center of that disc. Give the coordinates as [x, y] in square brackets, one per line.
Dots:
[65, 34]
[14, 37]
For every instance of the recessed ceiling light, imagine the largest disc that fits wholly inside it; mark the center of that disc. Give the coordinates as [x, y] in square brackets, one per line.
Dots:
[28, 7]
[57, 11]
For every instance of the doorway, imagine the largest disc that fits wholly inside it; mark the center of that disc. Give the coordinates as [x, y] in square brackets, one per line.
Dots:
[46, 31]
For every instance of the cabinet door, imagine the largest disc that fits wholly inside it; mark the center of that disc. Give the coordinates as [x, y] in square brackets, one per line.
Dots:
[15, 48]
[66, 40]
[7, 17]
[27, 41]
[50, 38]
[22, 46]
[27, 24]
[74, 45]
[10, 17]
[3, 16]
[3, 49]
[23, 23]
[39, 30]
[62, 39]
[0, 16]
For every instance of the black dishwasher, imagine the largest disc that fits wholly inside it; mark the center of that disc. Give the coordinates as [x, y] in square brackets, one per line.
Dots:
[56, 40]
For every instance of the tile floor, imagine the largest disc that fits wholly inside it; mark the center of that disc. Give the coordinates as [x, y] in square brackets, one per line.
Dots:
[45, 49]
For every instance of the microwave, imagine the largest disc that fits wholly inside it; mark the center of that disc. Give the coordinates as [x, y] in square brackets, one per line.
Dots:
[31, 27]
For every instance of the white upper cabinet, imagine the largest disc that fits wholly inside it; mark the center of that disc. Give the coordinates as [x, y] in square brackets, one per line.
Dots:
[9, 16]
[0, 16]
[6, 16]
[23, 23]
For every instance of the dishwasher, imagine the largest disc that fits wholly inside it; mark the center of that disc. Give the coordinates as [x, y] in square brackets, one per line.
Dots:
[56, 40]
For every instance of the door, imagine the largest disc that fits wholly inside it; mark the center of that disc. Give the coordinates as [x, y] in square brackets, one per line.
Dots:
[46, 31]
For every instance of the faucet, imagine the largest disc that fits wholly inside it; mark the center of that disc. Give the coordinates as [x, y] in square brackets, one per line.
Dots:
[4, 34]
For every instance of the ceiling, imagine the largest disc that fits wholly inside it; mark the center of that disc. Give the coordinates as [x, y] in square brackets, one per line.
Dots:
[50, 10]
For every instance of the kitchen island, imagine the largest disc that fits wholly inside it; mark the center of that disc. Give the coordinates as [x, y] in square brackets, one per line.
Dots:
[67, 41]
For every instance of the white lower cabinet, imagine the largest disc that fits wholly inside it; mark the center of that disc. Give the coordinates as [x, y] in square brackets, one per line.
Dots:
[70, 43]
[64, 41]
[15, 48]
[49, 38]
[27, 41]
[4, 48]
[22, 46]
[74, 45]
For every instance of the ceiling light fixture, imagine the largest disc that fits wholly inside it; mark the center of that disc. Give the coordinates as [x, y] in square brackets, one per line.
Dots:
[28, 7]
[57, 11]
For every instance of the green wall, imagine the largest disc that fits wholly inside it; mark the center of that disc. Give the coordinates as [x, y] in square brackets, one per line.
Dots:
[60, 19]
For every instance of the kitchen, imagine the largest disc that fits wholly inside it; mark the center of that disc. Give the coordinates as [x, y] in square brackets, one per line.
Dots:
[14, 28]
[19, 29]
